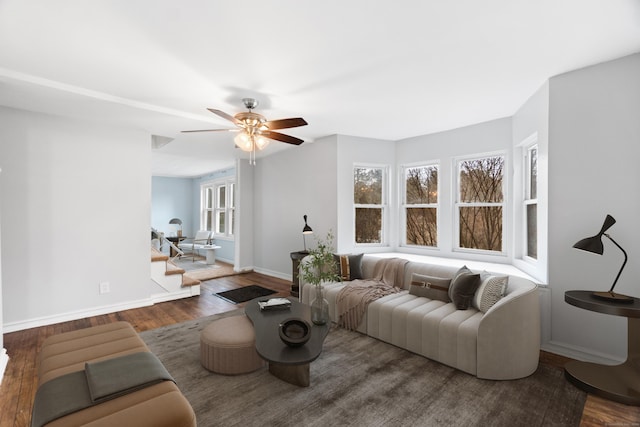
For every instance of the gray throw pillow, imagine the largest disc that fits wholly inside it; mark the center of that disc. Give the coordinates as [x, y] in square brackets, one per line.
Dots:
[430, 287]
[349, 266]
[463, 287]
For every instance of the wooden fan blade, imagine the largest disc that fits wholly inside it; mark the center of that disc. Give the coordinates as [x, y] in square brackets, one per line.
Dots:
[285, 123]
[211, 130]
[281, 137]
[225, 116]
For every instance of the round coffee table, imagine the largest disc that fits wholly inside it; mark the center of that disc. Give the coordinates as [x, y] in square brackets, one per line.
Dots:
[290, 364]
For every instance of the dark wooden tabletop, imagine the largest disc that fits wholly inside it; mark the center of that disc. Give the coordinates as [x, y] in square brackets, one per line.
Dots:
[585, 299]
[268, 343]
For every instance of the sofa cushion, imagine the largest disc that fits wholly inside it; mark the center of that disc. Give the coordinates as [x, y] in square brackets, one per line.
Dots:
[430, 287]
[463, 287]
[349, 266]
[490, 290]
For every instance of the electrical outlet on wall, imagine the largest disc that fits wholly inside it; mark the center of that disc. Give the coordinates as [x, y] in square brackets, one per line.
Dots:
[104, 288]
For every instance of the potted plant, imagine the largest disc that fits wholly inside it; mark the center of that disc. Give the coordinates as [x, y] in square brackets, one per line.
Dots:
[317, 268]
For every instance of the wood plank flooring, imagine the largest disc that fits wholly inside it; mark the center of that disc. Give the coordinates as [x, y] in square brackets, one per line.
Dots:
[19, 384]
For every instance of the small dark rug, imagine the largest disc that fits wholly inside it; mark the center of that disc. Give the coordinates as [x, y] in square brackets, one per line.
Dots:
[246, 293]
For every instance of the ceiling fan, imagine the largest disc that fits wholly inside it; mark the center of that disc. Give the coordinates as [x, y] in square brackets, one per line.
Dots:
[255, 130]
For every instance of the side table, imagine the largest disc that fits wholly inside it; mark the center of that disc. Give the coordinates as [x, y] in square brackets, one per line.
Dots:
[296, 257]
[620, 383]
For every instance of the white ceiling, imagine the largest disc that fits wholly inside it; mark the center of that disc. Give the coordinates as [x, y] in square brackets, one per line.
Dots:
[379, 69]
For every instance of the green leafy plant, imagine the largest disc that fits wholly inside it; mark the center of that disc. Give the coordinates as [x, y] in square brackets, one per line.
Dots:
[320, 267]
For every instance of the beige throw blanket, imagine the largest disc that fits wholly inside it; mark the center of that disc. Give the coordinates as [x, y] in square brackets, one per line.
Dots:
[353, 299]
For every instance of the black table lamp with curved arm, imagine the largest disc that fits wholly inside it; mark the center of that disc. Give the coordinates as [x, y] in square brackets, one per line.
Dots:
[306, 230]
[594, 244]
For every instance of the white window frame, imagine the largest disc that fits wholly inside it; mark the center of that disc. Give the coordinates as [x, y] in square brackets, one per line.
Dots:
[404, 205]
[384, 206]
[217, 209]
[457, 204]
[528, 200]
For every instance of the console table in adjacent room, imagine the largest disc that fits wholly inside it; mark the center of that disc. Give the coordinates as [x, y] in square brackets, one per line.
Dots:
[620, 383]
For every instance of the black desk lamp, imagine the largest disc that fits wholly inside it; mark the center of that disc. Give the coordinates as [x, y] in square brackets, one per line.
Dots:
[594, 244]
[306, 230]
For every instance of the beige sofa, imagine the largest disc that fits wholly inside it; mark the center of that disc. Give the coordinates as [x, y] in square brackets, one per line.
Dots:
[501, 344]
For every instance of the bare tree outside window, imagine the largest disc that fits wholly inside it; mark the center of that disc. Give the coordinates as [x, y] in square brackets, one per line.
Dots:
[368, 198]
[421, 205]
[480, 205]
[368, 225]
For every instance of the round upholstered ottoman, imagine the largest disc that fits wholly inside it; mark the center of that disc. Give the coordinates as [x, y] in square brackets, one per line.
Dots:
[228, 346]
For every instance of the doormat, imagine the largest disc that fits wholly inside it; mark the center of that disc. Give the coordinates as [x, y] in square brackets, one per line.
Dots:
[246, 293]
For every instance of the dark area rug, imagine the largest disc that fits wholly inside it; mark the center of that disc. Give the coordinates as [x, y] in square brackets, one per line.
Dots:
[361, 381]
[243, 294]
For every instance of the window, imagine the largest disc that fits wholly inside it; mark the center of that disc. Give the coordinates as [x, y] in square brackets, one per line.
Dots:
[480, 203]
[369, 198]
[218, 208]
[421, 205]
[531, 202]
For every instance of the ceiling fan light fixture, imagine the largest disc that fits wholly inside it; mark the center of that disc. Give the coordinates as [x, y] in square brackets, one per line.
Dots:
[247, 142]
[261, 142]
[243, 141]
[256, 131]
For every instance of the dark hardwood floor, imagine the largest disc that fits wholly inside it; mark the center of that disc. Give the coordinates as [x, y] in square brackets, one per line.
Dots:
[19, 384]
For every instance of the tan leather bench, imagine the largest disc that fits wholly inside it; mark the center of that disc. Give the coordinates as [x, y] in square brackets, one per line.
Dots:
[158, 405]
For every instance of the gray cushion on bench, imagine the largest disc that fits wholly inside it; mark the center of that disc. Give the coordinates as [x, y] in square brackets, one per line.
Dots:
[111, 378]
[59, 397]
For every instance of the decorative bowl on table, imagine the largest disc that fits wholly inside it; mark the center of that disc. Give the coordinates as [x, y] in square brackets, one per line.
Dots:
[294, 332]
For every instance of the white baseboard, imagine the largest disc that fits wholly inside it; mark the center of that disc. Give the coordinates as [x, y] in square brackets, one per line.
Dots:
[186, 292]
[273, 274]
[228, 261]
[4, 361]
[579, 353]
[74, 315]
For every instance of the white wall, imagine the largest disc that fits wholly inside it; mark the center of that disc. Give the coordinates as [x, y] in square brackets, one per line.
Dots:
[286, 186]
[173, 198]
[4, 359]
[445, 147]
[243, 244]
[75, 212]
[594, 144]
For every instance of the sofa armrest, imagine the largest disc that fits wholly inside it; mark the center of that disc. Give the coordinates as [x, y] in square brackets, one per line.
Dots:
[509, 336]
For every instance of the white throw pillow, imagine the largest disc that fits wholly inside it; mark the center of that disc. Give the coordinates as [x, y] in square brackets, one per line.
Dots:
[491, 289]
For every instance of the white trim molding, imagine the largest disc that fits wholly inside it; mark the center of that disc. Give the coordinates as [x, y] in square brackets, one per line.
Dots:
[74, 315]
